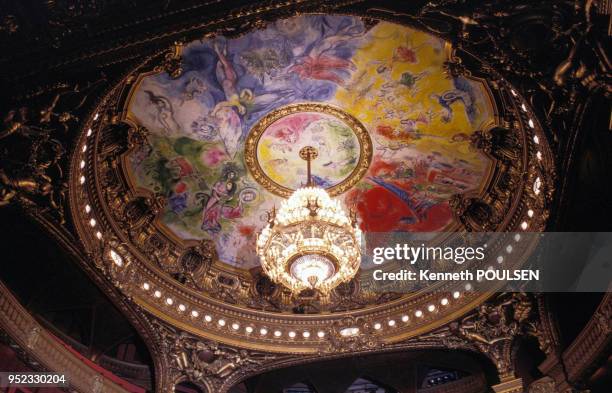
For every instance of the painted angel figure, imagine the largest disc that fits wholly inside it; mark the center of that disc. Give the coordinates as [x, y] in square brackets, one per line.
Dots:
[322, 60]
[228, 113]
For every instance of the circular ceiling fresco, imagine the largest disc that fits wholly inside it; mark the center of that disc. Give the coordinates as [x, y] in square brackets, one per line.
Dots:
[178, 165]
[392, 128]
[343, 146]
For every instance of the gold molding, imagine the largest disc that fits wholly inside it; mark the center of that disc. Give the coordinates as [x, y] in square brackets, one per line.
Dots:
[46, 349]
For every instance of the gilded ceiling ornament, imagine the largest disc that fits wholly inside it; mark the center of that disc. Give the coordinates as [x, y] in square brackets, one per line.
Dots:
[207, 362]
[173, 62]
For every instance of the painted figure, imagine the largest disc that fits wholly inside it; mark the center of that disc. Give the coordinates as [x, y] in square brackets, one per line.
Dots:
[165, 112]
[216, 207]
[323, 61]
[228, 113]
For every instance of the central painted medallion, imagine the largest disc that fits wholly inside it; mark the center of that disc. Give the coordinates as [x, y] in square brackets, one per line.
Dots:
[344, 146]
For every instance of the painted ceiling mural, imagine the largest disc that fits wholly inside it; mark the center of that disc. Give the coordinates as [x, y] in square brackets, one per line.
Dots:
[389, 77]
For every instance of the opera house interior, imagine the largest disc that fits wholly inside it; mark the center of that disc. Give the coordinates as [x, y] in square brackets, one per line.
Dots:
[188, 190]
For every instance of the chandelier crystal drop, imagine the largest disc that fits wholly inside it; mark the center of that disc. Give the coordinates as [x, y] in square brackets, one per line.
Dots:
[310, 242]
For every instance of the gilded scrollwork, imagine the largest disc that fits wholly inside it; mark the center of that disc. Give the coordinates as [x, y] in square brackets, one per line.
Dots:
[492, 329]
[206, 362]
[455, 68]
[173, 63]
[33, 174]
[194, 264]
[487, 212]
[543, 385]
[353, 334]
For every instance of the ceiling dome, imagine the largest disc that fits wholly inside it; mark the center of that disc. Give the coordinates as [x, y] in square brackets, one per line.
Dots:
[185, 156]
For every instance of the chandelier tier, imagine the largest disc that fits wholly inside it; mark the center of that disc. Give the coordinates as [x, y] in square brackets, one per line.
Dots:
[310, 242]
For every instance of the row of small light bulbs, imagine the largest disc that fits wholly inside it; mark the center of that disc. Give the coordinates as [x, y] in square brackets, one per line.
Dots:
[431, 308]
[306, 334]
[114, 255]
[221, 322]
[92, 220]
[536, 187]
[538, 182]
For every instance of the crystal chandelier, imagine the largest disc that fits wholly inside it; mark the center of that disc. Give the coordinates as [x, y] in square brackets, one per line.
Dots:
[310, 242]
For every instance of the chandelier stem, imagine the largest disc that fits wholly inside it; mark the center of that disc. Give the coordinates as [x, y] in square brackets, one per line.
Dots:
[308, 174]
[308, 153]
